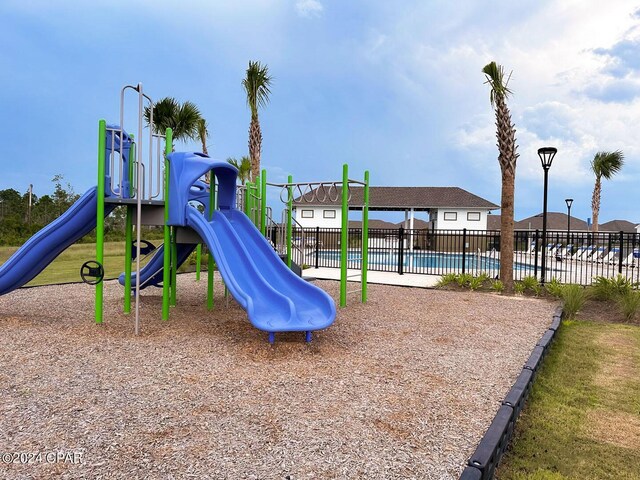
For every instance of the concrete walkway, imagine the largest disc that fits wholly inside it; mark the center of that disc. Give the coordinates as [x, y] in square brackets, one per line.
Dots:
[385, 278]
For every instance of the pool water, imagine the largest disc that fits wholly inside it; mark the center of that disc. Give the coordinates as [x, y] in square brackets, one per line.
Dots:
[419, 260]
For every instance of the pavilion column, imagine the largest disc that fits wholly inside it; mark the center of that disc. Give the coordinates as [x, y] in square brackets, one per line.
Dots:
[411, 218]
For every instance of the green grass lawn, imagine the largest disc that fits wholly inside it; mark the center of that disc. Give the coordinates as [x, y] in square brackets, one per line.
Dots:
[66, 267]
[582, 420]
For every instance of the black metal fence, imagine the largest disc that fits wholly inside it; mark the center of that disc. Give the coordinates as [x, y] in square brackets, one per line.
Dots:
[576, 257]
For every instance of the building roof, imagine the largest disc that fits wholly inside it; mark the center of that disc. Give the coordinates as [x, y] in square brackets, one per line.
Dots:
[555, 221]
[417, 224]
[618, 226]
[493, 222]
[373, 223]
[399, 198]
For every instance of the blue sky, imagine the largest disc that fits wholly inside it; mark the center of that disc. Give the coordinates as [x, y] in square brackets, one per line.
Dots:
[393, 87]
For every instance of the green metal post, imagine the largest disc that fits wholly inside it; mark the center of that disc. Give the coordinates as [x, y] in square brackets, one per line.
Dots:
[102, 144]
[344, 235]
[247, 190]
[128, 238]
[212, 207]
[166, 273]
[174, 266]
[198, 260]
[289, 218]
[256, 201]
[263, 204]
[365, 238]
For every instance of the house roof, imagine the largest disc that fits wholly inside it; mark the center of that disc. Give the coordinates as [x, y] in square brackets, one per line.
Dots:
[555, 221]
[493, 222]
[618, 226]
[417, 224]
[399, 198]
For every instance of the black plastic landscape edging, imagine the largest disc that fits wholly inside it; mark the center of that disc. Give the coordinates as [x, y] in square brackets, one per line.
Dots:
[488, 453]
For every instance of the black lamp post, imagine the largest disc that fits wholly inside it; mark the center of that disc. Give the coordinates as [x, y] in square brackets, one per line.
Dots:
[546, 155]
[569, 202]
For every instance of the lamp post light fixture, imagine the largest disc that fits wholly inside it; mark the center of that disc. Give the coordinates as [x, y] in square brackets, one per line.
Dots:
[569, 202]
[546, 155]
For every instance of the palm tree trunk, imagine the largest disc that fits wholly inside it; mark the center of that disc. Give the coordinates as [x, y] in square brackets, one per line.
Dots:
[595, 204]
[255, 146]
[506, 229]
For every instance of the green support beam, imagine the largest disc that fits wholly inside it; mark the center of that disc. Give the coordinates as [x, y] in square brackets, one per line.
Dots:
[289, 218]
[102, 144]
[365, 237]
[344, 236]
[166, 273]
[263, 203]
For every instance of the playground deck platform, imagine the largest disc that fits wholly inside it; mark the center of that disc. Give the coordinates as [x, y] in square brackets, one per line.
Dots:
[403, 386]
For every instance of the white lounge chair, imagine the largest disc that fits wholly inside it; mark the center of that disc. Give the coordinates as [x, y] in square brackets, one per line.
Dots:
[612, 256]
[567, 251]
[578, 253]
[598, 254]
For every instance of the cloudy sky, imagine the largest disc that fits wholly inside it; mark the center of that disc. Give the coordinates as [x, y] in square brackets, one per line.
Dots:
[393, 87]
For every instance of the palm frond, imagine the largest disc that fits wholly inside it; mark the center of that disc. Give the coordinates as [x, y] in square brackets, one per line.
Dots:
[494, 75]
[256, 84]
[607, 164]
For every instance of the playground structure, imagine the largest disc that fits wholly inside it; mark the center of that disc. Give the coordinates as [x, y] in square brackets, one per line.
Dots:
[162, 188]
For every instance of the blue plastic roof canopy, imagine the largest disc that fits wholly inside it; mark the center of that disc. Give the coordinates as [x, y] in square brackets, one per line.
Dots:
[185, 170]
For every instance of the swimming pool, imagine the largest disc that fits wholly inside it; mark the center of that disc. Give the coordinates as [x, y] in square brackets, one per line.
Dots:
[417, 261]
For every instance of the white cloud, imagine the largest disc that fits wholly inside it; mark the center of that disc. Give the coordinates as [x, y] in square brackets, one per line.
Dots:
[309, 8]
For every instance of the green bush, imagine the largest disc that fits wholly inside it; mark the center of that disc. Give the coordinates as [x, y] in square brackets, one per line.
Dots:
[464, 279]
[476, 282]
[574, 297]
[497, 286]
[554, 288]
[518, 288]
[605, 289]
[447, 279]
[530, 283]
[629, 304]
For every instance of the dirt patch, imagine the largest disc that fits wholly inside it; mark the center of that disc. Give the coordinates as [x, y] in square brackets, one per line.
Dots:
[621, 429]
[619, 364]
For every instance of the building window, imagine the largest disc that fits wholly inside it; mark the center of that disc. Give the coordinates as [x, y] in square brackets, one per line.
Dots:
[450, 216]
[307, 213]
[473, 216]
[329, 214]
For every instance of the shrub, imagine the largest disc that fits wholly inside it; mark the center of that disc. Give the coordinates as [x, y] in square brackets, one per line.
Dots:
[464, 279]
[605, 289]
[476, 282]
[574, 297]
[447, 279]
[629, 304]
[518, 288]
[497, 286]
[554, 288]
[530, 283]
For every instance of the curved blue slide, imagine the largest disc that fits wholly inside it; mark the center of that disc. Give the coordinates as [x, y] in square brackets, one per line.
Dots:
[43, 247]
[276, 300]
[151, 273]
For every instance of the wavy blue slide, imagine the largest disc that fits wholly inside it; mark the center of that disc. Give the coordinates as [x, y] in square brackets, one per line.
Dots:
[275, 298]
[151, 273]
[41, 249]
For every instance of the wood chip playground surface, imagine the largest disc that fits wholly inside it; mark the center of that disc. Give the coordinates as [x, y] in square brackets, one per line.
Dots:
[403, 386]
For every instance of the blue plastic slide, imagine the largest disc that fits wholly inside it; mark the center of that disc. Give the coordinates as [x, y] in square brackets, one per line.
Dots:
[151, 273]
[276, 300]
[41, 249]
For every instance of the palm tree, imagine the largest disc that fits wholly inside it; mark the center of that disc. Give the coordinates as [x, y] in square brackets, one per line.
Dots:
[181, 118]
[203, 134]
[603, 165]
[256, 84]
[507, 157]
[243, 166]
